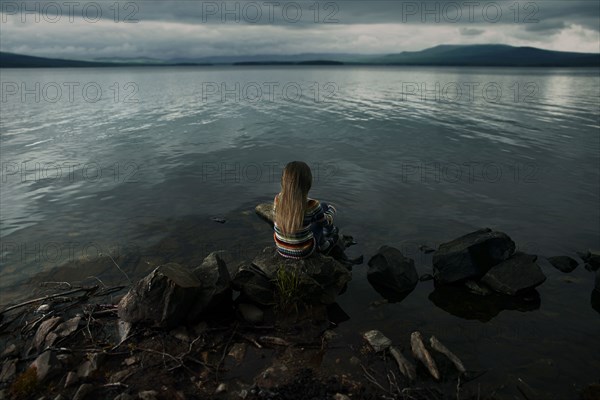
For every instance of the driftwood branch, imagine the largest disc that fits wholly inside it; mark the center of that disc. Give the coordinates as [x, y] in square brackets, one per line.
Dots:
[48, 297]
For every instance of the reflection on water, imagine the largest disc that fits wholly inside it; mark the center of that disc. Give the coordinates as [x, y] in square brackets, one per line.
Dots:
[458, 301]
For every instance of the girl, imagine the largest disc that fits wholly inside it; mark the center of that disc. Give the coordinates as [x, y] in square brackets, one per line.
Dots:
[302, 225]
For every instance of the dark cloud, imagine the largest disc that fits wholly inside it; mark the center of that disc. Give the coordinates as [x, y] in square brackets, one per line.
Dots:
[471, 31]
[167, 29]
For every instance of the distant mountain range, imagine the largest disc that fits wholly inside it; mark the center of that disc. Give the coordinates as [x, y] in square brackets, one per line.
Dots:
[487, 55]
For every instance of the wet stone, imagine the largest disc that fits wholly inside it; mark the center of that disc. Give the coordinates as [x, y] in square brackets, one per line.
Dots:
[148, 395]
[46, 365]
[10, 351]
[71, 379]
[377, 340]
[43, 330]
[9, 369]
[563, 263]
[84, 391]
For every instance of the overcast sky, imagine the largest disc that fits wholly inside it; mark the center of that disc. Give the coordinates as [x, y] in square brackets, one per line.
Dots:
[191, 29]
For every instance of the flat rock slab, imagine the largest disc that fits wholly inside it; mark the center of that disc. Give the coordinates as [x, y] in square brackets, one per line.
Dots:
[471, 255]
[514, 275]
[563, 263]
[377, 340]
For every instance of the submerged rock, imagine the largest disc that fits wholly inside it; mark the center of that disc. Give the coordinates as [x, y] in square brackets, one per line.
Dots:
[390, 273]
[172, 294]
[592, 259]
[471, 255]
[563, 263]
[514, 275]
[319, 278]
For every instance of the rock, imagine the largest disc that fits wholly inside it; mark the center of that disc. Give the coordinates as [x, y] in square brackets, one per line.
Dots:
[426, 249]
[221, 388]
[391, 273]
[181, 333]
[514, 275]
[68, 327]
[238, 352]
[124, 329]
[265, 211]
[71, 379]
[10, 351]
[9, 369]
[377, 340]
[425, 277]
[340, 396]
[251, 313]
[44, 308]
[420, 353]
[592, 259]
[172, 294]
[320, 278]
[46, 365]
[477, 288]
[43, 330]
[84, 391]
[216, 284]
[563, 263]
[148, 395]
[597, 285]
[120, 376]
[471, 255]
[89, 367]
[123, 396]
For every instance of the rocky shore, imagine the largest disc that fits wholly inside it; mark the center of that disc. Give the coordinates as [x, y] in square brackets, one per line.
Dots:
[267, 323]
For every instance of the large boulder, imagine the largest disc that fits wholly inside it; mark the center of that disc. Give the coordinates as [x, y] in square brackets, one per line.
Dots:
[173, 294]
[515, 275]
[471, 256]
[390, 273]
[320, 278]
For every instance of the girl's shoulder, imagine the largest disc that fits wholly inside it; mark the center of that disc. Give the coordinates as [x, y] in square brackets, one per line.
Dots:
[312, 205]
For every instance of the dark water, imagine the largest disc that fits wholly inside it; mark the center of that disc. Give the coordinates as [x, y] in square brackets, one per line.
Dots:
[516, 150]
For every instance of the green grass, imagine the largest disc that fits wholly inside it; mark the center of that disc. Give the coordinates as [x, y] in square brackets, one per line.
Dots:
[287, 282]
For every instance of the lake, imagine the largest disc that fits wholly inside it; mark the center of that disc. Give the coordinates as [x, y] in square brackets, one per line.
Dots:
[118, 160]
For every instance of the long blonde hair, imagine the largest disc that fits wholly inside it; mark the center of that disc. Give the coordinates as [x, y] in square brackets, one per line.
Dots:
[296, 181]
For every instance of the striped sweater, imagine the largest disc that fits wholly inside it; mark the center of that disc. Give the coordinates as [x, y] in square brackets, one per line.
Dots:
[301, 244]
